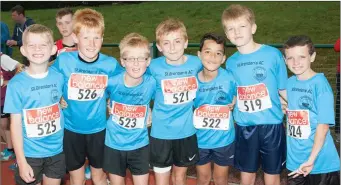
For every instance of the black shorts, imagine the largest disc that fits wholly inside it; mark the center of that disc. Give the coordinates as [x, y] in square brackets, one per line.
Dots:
[117, 161]
[53, 167]
[180, 152]
[79, 146]
[223, 156]
[4, 115]
[260, 144]
[332, 178]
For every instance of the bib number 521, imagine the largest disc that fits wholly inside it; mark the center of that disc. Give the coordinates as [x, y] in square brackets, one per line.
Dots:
[46, 128]
[252, 105]
[87, 94]
[180, 97]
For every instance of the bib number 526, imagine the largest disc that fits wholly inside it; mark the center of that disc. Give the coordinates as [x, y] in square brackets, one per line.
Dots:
[252, 105]
[86, 94]
[46, 128]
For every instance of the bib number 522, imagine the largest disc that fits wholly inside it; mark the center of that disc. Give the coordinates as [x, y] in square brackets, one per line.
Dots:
[86, 94]
[211, 123]
[46, 128]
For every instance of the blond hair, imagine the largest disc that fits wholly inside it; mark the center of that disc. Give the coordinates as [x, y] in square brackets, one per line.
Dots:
[38, 29]
[134, 40]
[236, 11]
[170, 25]
[88, 18]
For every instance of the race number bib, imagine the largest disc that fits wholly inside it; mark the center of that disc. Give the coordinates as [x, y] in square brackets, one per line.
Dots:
[86, 87]
[298, 124]
[41, 122]
[66, 49]
[129, 116]
[253, 98]
[179, 90]
[215, 117]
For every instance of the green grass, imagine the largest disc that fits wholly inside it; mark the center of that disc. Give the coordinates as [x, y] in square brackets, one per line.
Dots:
[276, 21]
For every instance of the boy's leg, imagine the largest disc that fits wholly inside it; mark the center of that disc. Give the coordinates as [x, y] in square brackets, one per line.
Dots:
[74, 148]
[203, 167]
[138, 164]
[246, 158]
[115, 163]
[161, 161]
[223, 157]
[54, 169]
[37, 167]
[273, 152]
[94, 152]
[8, 153]
[185, 154]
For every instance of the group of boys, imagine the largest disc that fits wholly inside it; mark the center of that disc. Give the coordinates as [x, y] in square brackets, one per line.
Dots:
[247, 93]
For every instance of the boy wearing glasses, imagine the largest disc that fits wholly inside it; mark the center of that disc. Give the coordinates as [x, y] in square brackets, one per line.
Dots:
[126, 140]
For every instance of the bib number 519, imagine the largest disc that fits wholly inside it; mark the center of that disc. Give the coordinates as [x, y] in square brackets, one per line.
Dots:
[252, 105]
[46, 128]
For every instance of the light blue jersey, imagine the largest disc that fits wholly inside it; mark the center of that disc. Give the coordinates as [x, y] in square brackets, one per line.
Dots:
[126, 127]
[84, 90]
[176, 87]
[310, 102]
[212, 116]
[259, 75]
[37, 100]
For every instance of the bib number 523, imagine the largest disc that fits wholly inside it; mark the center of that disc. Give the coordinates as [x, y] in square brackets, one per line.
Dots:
[127, 122]
[46, 128]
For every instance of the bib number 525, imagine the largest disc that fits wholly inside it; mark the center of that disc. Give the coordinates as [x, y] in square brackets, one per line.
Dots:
[86, 94]
[252, 105]
[46, 128]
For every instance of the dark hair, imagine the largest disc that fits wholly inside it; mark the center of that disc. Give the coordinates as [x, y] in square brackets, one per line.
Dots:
[19, 9]
[212, 36]
[64, 11]
[299, 40]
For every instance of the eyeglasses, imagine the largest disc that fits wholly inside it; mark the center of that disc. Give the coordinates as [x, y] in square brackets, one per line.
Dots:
[132, 59]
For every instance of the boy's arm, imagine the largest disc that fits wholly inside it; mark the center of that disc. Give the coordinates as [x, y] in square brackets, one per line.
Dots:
[25, 170]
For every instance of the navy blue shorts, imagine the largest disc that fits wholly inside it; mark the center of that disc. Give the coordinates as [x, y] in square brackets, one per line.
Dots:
[223, 156]
[260, 144]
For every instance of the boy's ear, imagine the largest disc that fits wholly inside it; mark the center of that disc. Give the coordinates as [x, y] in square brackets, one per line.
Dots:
[224, 59]
[254, 28]
[186, 44]
[54, 49]
[23, 51]
[312, 57]
[74, 37]
[122, 62]
[148, 61]
[158, 47]
[199, 54]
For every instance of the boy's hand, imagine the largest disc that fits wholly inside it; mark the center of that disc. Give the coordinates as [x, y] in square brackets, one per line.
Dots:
[304, 169]
[149, 119]
[26, 173]
[284, 105]
[19, 68]
[108, 107]
[231, 105]
[63, 103]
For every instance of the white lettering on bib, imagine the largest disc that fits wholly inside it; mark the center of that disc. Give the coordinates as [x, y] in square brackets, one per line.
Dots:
[41, 122]
[298, 124]
[179, 90]
[86, 87]
[129, 116]
[253, 98]
[215, 117]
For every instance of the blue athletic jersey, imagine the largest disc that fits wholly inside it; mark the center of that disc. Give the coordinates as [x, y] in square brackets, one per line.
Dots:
[176, 87]
[37, 100]
[259, 75]
[126, 126]
[84, 90]
[310, 102]
[219, 91]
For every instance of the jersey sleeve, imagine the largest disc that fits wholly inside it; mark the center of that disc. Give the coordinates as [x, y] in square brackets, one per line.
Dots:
[281, 71]
[56, 64]
[118, 68]
[325, 104]
[13, 100]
